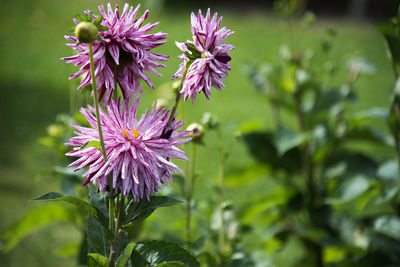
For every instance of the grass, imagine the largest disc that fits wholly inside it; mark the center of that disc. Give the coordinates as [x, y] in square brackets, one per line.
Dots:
[34, 89]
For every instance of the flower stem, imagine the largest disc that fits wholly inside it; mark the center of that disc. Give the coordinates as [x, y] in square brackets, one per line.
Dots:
[118, 233]
[309, 175]
[178, 94]
[222, 157]
[189, 196]
[96, 103]
[115, 83]
[103, 150]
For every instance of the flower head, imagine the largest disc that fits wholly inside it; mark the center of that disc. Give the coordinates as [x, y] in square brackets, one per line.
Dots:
[212, 63]
[138, 155]
[125, 52]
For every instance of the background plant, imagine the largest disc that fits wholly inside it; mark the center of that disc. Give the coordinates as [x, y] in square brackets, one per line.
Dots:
[48, 81]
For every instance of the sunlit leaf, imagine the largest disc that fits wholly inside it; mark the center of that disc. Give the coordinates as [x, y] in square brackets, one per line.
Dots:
[154, 253]
[97, 260]
[261, 146]
[143, 209]
[286, 139]
[351, 188]
[388, 225]
[125, 255]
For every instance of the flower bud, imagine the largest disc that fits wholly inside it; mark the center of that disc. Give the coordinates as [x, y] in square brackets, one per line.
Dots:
[197, 132]
[55, 130]
[210, 120]
[86, 32]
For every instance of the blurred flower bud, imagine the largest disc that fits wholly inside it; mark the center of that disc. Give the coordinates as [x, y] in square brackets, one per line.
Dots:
[86, 32]
[197, 132]
[55, 130]
[209, 120]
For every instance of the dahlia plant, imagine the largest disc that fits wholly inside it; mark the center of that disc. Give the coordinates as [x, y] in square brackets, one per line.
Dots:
[123, 157]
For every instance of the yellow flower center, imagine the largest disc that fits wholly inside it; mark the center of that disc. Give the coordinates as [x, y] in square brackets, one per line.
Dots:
[135, 134]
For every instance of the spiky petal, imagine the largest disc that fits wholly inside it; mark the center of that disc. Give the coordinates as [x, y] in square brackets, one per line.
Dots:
[125, 53]
[138, 155]
[208, 70]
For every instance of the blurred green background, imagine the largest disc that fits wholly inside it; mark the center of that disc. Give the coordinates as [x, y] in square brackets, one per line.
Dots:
[35, 88]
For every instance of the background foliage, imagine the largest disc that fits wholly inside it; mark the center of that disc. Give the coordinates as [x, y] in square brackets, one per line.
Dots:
[35, 89]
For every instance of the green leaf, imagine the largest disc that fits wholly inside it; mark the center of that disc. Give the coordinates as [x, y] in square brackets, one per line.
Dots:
[97, 260]
[172, 264]
[96, 236]
[351, 189]
[286, 139]
[79, 203]
[373, 113]
[155, 253]
[79, 18]
[388, 225]
[124, 257]
[261, 146]
[370, 134]
[98, 201]
[93, 143]
[98, 20]
[393, 40]
[54, 196]
[34, 220]
[144, 208]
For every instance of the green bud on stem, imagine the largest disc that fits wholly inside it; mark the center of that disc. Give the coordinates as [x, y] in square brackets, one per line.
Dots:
[86, 32]
[197, 132]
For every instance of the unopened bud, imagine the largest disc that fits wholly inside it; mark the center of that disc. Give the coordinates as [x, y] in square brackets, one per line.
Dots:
[209, 120]
[86, 32]
[196, 132]
[55, 130]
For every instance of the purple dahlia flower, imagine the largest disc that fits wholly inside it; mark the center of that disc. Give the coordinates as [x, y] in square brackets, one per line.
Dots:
[138, 158]
[125, 52]
[213, 62]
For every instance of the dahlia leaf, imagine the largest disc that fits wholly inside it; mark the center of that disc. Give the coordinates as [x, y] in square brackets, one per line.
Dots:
[172, 264]
[54, 196]
[261, 146]
[97, 260]
[79, 18]
[34, 220]
[96, 240]
[389, 226]
[89, 16]
[393, 40]
[144, 208]
[98, 21]
[352, 188]
[286, 139]
[93, 143]
[97, 201]
[102, 28]
[124, 257]
[79, 203]
[161, 253]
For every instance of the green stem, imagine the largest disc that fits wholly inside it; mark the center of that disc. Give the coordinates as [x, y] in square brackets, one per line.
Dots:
[178, 94]
[189, 196]
[118, 233]
[103, 150]
[96, 103]
[309, 175]
[221, 234]
[115, 83]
